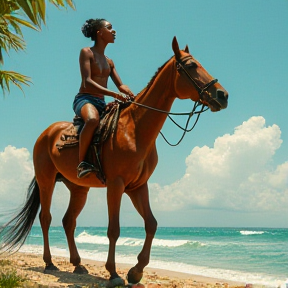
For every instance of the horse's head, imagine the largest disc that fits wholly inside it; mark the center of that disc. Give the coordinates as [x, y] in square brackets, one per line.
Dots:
[194, 82]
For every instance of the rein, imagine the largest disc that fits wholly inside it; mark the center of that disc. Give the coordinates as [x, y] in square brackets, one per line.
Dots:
[189, 114]
[185, 130]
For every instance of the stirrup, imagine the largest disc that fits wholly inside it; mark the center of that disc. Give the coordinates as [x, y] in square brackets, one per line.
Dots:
[84, 168]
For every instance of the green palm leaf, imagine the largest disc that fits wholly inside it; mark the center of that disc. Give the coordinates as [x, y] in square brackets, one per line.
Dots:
[61, 3]
[8, 41]
[12, 15]
[39, 8]
[28, 10]
[13, 20]
[7, 77]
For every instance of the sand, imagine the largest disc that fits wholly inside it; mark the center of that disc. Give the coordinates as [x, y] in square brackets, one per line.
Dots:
[31, 267]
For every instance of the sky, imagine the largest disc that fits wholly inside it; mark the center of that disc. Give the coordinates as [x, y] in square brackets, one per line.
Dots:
[230, 171]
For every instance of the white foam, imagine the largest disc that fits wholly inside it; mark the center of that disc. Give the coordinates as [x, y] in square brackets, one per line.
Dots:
[237, 276]
[244, 232]
[177, 243]
[85, 237]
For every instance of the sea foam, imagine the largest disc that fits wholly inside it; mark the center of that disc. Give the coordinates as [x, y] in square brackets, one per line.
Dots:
[86, 238]
[244, 232]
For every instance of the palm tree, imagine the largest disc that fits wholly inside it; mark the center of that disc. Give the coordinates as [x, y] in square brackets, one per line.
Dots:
[13, 15]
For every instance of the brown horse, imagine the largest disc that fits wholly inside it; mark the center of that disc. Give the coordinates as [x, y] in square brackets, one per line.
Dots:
[129, 157]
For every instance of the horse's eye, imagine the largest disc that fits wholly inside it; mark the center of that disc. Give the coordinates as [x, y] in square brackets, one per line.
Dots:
[191, 63]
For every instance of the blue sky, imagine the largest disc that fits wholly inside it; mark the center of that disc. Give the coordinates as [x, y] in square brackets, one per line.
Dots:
[232, 170]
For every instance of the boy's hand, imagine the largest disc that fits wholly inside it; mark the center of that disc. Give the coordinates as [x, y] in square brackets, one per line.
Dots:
[126, 90]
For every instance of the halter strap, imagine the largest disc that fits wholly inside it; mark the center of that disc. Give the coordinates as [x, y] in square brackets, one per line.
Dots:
[199, 89]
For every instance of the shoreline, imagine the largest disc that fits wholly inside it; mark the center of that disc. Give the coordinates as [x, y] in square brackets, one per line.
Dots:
[31, 267]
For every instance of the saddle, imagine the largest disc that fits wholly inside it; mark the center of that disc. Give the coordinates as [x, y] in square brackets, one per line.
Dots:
[106, 127]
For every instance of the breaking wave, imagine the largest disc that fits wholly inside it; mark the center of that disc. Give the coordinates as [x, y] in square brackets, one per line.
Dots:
[86, 238]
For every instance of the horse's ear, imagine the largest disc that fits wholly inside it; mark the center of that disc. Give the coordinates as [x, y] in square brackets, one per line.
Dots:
[186, 49]
[175, 47]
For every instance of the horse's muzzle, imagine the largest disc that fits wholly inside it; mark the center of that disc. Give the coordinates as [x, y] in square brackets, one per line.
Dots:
[219, 102]
[222, 98]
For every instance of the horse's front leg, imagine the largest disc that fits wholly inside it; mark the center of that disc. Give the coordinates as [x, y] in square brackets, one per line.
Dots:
[115, 191]
[140, 200]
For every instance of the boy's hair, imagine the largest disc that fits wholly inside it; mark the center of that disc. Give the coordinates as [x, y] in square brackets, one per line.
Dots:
[91, 26]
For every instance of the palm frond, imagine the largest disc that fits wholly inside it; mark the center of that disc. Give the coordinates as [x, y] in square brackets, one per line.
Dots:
[13, 14]
[61, 3]
[8, 77]
[71, 4]
[6, 7]
[14, 21]
[28, 10]
[39, 9]
[9, 40]
[1, 56]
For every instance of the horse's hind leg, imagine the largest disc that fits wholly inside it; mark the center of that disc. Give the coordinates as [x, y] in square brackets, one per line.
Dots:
[46, 187]
[78, 196]
[45, 173]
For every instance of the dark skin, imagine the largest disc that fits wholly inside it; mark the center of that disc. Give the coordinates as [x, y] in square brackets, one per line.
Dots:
[95, 69]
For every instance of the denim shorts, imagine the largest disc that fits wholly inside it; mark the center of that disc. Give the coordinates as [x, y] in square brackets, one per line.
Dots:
[81, 99]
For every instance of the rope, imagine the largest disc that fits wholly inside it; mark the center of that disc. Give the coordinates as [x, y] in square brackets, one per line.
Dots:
[189, 114]
[185, 130]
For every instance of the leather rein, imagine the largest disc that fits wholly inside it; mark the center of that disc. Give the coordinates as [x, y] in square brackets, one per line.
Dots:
[201, 90]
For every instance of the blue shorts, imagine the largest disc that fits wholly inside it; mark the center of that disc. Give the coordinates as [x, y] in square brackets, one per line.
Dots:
[81, 99]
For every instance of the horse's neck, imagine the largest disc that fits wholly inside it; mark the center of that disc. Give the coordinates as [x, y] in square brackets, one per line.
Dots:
[160, 95]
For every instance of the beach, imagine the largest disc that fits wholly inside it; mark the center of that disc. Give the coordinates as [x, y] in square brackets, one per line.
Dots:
[31, 267]
[180, 257]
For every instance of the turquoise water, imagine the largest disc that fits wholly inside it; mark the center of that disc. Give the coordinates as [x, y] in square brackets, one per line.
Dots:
[250, 255]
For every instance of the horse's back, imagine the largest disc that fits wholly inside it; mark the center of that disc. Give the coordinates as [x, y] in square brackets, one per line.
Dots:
[49, 137]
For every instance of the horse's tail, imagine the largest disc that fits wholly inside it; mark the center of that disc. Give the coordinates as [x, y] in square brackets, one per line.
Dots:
[14, 233]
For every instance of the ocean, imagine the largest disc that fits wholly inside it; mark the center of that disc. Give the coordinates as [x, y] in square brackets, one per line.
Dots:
[250, 255]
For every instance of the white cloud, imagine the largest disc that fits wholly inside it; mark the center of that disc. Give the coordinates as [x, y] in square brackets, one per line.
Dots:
[16, 173]
[236, 174]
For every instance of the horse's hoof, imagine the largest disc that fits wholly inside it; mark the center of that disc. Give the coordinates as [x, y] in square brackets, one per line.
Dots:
[80, 269]
[116, 282]
[134, 276]
[50, 267]
[138, 285]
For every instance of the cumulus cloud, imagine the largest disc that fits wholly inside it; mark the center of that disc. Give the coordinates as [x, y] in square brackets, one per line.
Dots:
[235, 174]
[16, 173]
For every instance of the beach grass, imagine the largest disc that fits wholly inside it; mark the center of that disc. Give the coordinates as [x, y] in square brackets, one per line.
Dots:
[9, 277]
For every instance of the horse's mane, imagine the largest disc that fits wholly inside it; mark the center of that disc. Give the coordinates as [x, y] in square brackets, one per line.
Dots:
[154, 77]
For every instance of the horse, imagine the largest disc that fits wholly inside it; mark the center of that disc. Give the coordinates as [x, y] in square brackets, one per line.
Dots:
[129, 157]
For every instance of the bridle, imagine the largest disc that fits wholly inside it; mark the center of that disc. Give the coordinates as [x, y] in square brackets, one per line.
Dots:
[201, 90]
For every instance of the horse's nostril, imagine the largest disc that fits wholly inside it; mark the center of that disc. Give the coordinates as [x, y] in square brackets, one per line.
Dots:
[221, 94]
